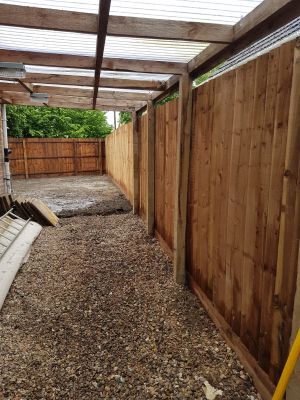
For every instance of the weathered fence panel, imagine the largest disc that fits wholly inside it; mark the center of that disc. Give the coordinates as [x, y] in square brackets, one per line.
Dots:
[119, 158]
[243, 203]
[41, 157]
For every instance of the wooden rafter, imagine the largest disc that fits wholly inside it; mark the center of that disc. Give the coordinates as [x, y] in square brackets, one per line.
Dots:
[103, 15]
[87, 62]
[15, 96]
[79, 80]
[42, 18]
[26, 86]
[80, 92]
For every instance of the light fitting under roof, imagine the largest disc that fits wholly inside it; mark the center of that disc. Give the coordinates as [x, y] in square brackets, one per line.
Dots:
[12, 70]
[39, 97]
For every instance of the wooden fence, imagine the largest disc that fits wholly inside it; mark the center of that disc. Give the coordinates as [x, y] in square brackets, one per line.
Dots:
[42, 157]
[243, 211]
[119, 158]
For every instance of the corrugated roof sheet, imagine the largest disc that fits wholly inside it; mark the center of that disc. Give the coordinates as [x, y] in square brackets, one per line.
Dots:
[264, 45]
[215, 11]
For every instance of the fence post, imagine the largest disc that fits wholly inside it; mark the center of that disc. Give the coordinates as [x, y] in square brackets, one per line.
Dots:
[150, 166]
[289, 233]
[182, 172]
[136, 177]
[25, 158]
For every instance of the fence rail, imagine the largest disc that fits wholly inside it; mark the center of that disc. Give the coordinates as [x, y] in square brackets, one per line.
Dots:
[41, 157]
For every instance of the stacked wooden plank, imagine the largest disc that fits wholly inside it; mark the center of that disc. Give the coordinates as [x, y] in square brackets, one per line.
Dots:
[28, 208]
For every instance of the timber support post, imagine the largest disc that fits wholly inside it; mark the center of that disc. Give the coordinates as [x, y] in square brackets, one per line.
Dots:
[182, 174]
[150, 167]
[135, 144]
[289, 235]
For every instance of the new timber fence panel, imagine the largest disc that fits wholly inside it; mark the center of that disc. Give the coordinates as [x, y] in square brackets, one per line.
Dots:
[41, 157]
[119, 158]
[243, 223]
[237, 168]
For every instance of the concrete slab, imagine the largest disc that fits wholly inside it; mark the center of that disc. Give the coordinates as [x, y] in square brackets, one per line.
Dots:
[75, 195]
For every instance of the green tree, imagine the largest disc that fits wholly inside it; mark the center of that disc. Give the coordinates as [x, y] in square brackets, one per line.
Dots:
[29, 121]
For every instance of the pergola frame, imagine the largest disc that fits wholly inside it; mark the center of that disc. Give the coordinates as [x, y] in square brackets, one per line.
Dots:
[225, 41]
[134, 93]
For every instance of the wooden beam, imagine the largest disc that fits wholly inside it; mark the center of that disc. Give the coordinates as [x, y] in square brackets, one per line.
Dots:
[43, 18]
[263, 20]
[87, 62]
[26, 86]
[12, 87]
[79, 80]
[102, 94]
[80, 92]
[182, 173]
[68, 104]
[136, 170]
[150, 167]
[104, 7]
[73, 99]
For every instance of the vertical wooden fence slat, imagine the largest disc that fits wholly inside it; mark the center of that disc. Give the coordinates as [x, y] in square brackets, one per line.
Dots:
[75, 158]
[25, 158]
[182, 173]
[100, 165]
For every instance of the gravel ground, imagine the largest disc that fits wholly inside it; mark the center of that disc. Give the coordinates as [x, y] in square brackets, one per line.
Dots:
[94, 314]
[75, 195]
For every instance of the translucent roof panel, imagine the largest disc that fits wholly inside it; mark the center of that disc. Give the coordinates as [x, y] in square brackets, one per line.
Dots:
[217, 11]
[15, 38]
[90, 73]
[152, 49]
[46, 41]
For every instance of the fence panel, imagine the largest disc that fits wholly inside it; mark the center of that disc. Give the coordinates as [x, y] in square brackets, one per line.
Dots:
[40, 157]
[239, 136]
[242, 219]
[119, 158]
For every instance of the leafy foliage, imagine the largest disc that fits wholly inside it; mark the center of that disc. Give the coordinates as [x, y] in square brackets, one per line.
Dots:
[124, 117]
[28, 121]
